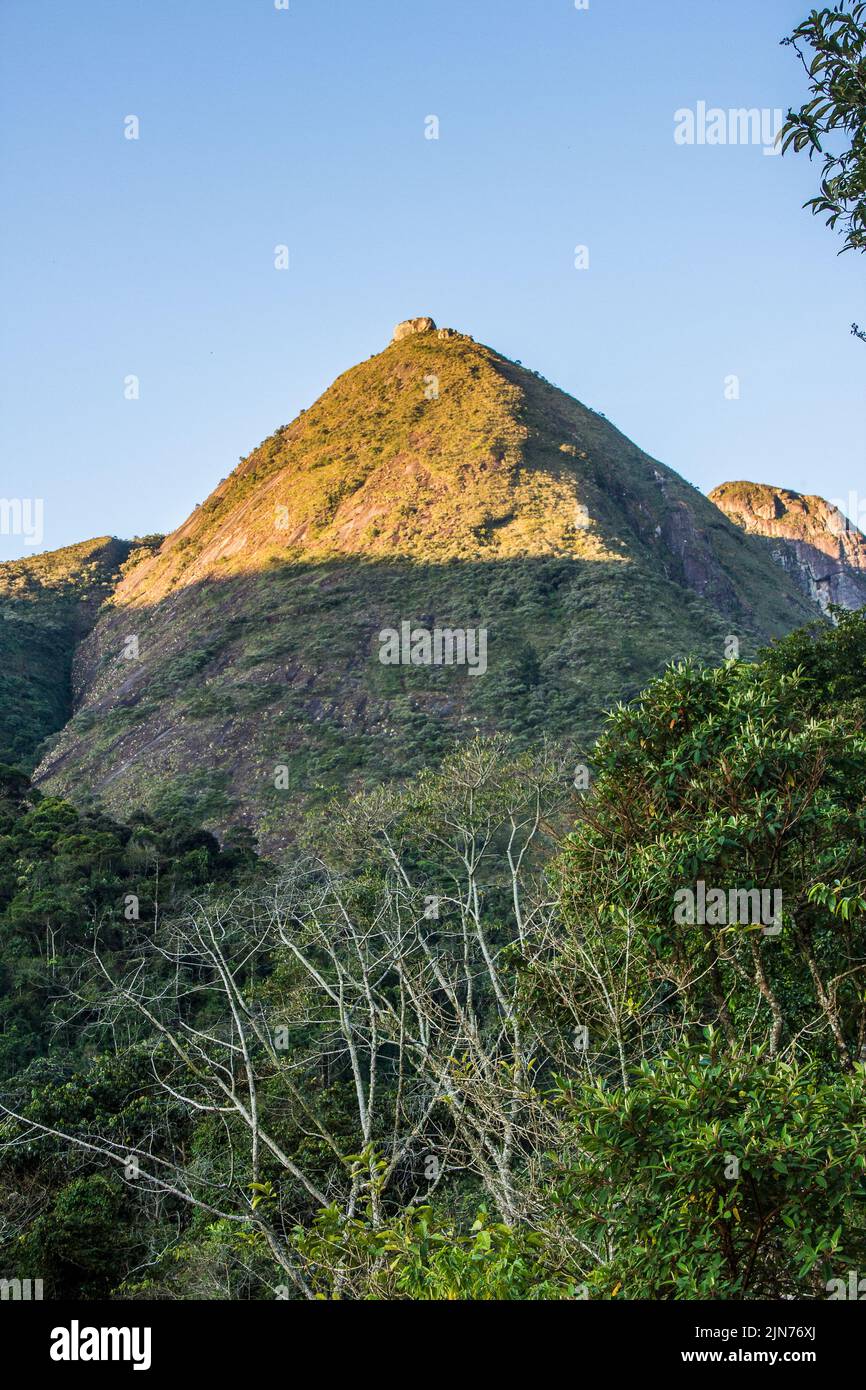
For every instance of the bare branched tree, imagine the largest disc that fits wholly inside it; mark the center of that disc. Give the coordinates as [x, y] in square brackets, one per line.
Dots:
[393, 964]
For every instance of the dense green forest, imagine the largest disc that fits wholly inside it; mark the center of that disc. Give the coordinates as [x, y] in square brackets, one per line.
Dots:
[460, 1046]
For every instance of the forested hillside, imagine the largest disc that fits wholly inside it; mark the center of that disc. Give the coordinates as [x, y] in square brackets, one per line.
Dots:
[462, 1044]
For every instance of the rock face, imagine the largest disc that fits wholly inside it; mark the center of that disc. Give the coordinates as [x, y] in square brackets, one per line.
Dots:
[811, 539]
[410, 326]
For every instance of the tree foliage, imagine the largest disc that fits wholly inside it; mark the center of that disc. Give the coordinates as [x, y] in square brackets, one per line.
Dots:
[711, 1178]
[739, 778]
[831, 125]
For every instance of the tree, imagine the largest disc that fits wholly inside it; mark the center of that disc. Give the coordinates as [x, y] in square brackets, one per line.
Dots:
[831, 45]
[837, 80]
[421, 1256]
[710, 1178]
[828, 661]
[723, 778]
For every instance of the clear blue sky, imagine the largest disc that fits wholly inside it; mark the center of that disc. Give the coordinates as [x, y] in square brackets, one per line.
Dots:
[258, 127]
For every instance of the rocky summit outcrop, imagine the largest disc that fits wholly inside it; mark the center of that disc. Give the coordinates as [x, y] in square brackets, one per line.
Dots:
[263, 659]
[410, 326]
[809, 537]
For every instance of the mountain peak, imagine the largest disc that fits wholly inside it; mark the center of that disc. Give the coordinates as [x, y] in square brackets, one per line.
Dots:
[435, 485]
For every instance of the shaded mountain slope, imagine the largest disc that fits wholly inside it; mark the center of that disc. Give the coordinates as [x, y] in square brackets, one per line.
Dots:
[438, 484]
[48, 603]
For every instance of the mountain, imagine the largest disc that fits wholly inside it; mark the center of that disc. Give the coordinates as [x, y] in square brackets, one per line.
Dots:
[48, 603]
[437, 485]
[810, 538]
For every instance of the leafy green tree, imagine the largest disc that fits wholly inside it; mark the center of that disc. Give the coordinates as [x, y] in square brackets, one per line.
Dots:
[735, 778]
[710, 1178]
[81, 1243]
[423, 1255]
[830, 662]
[831, 45]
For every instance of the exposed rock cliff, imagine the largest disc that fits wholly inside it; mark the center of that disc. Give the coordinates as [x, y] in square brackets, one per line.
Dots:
[810, 538]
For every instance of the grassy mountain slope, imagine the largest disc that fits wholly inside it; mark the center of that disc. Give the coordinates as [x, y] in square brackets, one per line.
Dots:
[437, 483]
[48, 603]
